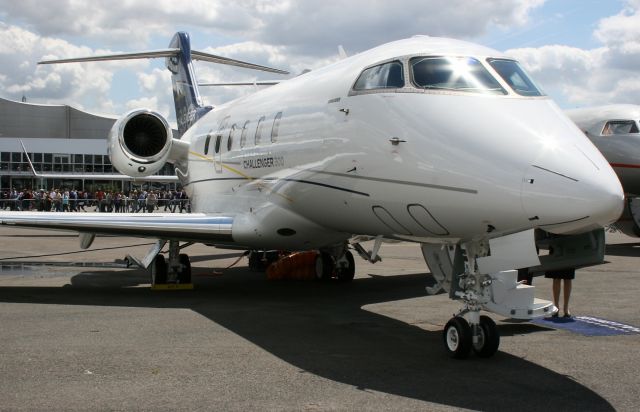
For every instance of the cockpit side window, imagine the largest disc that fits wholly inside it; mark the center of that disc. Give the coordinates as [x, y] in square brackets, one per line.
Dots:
[453, 73]
[620, 127]
[384, 76]
[515, 76]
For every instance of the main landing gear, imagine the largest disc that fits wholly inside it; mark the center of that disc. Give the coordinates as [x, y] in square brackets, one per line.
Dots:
[468, 330]
[329, 263]
[337, 263]
[174, 271]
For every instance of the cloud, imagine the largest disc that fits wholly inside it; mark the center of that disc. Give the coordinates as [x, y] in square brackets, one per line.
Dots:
[606, 74]
[294, 35]
[21, 75]
[306, 26]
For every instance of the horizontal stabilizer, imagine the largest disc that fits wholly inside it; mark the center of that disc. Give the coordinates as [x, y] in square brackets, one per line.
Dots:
[256, 83]
[171, 52]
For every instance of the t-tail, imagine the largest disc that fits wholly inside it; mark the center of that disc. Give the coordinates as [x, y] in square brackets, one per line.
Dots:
[179, 57]
[186, 96]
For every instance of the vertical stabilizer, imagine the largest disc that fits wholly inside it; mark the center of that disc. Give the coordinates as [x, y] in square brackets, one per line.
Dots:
[185, 88]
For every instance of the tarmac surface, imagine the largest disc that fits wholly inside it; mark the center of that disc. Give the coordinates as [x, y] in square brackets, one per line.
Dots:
[94, 336]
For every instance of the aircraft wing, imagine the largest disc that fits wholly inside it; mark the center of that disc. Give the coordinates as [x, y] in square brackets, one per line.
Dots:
[197, 227]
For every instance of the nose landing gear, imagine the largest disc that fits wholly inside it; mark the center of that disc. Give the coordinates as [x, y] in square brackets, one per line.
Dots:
[460, 337]
[468, 330]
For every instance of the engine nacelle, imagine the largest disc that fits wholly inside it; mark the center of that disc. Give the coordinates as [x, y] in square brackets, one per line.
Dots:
[140, 143]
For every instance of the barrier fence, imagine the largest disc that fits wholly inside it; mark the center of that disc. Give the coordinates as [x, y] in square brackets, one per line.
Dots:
[95, 205]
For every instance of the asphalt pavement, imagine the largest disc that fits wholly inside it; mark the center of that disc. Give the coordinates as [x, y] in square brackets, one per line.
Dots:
[80, 331]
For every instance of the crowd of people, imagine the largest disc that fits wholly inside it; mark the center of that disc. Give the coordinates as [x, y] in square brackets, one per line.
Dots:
[106, 201]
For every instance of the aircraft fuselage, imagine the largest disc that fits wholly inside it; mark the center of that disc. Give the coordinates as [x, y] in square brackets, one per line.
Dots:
[407, 163]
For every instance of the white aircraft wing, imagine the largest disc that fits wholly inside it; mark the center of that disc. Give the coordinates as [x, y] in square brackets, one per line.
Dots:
[198, 227]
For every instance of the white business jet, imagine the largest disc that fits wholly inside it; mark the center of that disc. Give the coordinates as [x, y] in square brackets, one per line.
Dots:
[428, 140]
[615, 131]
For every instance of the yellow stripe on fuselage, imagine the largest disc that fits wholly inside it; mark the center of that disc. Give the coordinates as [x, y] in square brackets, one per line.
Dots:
[239, 173]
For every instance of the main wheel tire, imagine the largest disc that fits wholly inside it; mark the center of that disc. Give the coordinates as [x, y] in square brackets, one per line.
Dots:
[457, 338]
[488, 338]
[255, 261]
[159, 271]
[346, 274]
[184, 277]
[324, 266]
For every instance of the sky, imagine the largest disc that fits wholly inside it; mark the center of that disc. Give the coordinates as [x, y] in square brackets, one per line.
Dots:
[581, 52]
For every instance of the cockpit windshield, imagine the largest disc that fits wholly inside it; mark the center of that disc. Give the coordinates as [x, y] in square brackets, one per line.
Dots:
[614, 127]
[453, 73]
[515, 77]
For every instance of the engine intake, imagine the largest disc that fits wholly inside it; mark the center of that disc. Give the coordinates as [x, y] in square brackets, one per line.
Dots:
[140, 143]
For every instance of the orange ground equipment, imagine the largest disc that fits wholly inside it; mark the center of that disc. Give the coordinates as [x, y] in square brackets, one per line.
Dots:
[296, 266]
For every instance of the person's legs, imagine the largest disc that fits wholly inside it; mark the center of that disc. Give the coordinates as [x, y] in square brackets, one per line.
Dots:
[567, 295]
[556, 292]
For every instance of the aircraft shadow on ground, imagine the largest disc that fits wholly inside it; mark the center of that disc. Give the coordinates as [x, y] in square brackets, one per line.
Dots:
[624, 249]
[322, 329]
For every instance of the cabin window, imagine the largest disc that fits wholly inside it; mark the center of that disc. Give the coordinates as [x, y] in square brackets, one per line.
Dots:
[218, 140]
[464, 74]
[275, 127]
[206, 143]
[259, 128]
[515, 76]
[384, 76]
[230, 138]
[619, 127]
[243, 134]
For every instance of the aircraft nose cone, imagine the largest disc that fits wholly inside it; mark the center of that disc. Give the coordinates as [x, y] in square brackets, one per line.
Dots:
[562, 200]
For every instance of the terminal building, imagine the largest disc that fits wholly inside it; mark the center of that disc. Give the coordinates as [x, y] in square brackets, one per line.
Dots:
[58, 139]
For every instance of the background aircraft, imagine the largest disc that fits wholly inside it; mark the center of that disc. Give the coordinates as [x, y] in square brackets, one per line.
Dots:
[428, 140]
[615, 131]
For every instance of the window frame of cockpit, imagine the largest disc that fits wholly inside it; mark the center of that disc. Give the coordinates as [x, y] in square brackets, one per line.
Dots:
[402, 61]
[409, 86]
[502, 92]
[511, 88]
[619, 121]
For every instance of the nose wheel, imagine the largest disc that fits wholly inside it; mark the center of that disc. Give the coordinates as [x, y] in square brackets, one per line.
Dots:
[487, 338]
[468, 330]
[460, 338]
[457, 338]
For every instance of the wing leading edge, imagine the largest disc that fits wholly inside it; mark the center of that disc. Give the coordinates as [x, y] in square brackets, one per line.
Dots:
[197, 227]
